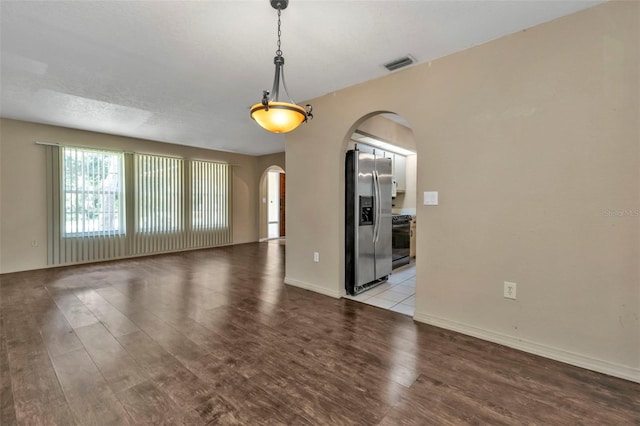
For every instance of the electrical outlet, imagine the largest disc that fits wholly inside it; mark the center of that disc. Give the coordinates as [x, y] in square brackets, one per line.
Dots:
[509, 290]
[316, 256]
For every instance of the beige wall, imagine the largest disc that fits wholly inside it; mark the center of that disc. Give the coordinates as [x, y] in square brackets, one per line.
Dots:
[531, 140]
[265, 161]
[23, 197]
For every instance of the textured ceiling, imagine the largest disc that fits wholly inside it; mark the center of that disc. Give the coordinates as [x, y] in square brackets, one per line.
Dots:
[187, 72]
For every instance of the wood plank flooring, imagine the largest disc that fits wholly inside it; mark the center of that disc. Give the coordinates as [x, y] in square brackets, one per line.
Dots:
[215, 337]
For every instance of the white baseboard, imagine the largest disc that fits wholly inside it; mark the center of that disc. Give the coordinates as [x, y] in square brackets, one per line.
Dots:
[594, 364]
[322, 290]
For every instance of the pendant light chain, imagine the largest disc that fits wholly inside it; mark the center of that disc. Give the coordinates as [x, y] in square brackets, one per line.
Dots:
[279, 52]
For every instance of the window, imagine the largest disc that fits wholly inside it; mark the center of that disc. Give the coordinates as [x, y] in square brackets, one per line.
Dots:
[92, 192]
[209, 196]
[106, 205]
[159, 194]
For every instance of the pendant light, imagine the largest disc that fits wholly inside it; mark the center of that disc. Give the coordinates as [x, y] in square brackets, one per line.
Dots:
[273, 114]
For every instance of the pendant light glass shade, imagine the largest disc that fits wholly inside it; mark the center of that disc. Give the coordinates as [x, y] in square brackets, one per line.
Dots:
[272, 114]
[278, 117]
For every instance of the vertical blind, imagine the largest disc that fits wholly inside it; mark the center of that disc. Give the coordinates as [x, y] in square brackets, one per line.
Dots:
[210, 221]
[159, 199]
[209, 196]
[159, 204]
[85, 203]
[105, 205]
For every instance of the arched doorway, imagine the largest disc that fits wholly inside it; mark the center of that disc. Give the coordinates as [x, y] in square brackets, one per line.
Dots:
[387, 135]
[272, 204]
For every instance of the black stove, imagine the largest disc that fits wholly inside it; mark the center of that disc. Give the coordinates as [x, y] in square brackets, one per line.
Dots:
[400, 239]
[398, 219]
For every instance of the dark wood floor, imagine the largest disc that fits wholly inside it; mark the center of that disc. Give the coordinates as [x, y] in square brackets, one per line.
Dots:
[215, 337]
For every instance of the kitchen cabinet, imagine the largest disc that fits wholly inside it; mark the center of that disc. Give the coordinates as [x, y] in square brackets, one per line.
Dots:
[400, 172]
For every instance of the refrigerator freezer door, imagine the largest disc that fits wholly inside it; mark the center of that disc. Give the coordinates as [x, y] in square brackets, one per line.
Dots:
[366, 256]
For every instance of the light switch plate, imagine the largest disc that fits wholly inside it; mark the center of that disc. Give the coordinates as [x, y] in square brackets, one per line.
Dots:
[431, 198]
[510, 290]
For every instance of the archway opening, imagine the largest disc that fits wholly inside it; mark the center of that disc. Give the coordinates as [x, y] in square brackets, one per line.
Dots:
[272, 204]
[389, 257]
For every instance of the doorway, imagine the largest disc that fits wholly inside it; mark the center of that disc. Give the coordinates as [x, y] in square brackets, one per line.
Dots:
[276, 196]
[389, 136]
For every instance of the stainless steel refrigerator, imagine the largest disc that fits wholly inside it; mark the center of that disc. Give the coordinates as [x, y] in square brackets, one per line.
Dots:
[368, 220]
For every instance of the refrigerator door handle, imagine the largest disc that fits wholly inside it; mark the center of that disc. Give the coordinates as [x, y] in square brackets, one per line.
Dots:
[375, 195]
[379, 206]
[378, 195]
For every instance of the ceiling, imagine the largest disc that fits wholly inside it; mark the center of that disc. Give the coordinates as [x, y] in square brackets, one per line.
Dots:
[187, 72]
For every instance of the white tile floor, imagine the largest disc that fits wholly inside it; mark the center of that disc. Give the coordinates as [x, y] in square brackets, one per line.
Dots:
[397, 294]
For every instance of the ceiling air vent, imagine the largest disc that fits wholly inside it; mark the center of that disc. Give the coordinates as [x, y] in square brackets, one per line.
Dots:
[399, 63]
